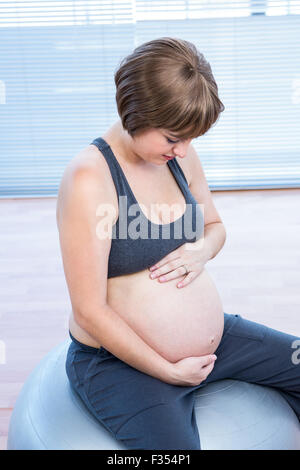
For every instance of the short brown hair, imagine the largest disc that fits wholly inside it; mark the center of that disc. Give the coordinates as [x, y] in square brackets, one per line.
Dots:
[167, 83]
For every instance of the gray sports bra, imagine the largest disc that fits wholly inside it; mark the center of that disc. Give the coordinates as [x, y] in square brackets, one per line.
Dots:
[137, 243]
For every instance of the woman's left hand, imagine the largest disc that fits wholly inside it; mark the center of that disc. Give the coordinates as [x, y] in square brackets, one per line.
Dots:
[173, 265]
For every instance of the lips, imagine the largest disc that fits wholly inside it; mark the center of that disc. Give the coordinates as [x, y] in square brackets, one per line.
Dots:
[168, 157]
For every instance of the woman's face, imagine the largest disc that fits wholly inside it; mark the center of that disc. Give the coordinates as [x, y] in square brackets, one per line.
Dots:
[154, 144]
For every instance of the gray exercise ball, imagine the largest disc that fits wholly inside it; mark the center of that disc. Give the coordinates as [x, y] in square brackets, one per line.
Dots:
[230, 414]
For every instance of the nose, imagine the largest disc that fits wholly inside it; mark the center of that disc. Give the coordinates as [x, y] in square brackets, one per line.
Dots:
[180, 148]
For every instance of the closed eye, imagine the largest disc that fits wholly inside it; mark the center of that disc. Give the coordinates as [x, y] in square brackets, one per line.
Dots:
[172, 141]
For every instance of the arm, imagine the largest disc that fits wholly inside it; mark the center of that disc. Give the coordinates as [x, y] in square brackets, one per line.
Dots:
[85, 260]
[214, 231]
[212, 241]
[116, 336]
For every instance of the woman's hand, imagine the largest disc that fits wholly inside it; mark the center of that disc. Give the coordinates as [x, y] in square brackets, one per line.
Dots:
[192, 370]
[183, 260]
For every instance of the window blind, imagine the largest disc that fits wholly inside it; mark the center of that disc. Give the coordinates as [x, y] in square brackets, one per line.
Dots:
[57, 92]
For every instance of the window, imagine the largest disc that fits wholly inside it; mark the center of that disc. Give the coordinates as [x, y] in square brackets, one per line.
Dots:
[57, 91]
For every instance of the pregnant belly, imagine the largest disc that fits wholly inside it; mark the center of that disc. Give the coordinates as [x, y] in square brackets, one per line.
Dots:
[176, 323]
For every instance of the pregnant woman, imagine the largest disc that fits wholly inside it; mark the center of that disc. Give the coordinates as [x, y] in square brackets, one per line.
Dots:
[137, 224]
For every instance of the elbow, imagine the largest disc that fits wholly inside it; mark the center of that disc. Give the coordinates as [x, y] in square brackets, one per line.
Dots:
[221, 233]
[224, 234]
[84, 316]
[224, 229]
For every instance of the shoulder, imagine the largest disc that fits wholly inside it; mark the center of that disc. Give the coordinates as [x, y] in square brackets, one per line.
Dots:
[86, 178]
[88, 167]
[88, 162]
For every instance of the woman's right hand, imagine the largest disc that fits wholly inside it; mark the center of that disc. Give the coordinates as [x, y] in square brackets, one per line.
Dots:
[191, 370]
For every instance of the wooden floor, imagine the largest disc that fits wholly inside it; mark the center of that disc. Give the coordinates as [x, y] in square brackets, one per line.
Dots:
[257, 273]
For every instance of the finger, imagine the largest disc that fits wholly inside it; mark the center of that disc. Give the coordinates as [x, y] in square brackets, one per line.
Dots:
[177, 272]
[170, 275]
[209, 359]
[208, 369]
[163, 262]
[187, 279]
[169, 271]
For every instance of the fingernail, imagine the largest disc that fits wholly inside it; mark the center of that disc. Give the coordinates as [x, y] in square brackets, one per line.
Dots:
[214, 356]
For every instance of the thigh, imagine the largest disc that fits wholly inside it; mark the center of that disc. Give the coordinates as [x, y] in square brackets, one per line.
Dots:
[256, 353]
[136, 408]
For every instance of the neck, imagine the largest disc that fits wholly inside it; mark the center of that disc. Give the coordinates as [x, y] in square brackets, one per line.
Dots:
[126, 147]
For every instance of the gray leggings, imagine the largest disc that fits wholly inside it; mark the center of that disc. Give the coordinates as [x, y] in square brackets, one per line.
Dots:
[146, 413]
